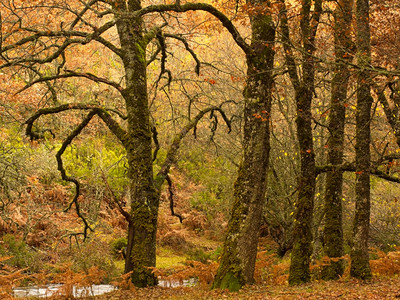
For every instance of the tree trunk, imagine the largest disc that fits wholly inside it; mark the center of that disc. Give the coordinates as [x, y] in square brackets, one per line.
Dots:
[333, 231]
[141, 249]
[302, 247]
[302, 232]
[359, 253]
[240, 246]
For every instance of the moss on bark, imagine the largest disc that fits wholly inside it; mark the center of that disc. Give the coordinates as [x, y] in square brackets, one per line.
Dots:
[141, 248]
[240, 246]
[359, 255]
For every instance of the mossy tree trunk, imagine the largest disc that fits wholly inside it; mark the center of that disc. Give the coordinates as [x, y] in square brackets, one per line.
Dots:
[141, 249]
[240, 246]
[360, 267]
[302, 232]
[304, 88]
[333, 231]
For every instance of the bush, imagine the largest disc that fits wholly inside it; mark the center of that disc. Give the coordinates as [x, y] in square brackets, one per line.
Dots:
[387, 264]
[22, 255]
[198, 255]
[118, 245]
[94, 254]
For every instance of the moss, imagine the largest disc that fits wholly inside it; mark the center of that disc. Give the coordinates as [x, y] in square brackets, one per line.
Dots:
[143, 277]
[229, 273]
[360, 267]
[230, 282]
[144, 219]
[171, 260]
[141, 51]
[299, 266]
[333, 236]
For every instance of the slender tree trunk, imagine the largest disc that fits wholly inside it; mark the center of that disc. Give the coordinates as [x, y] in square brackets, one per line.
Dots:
[302, 248]
[359, 253]
[333, 231]
[302, 232]
[141, 249]
[240, 246]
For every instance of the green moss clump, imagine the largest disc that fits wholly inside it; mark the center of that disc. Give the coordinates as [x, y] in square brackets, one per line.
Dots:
[230, 282]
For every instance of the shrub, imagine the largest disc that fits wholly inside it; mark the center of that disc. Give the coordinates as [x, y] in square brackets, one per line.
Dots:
[118, 245]
[22, 255]
[91, 254]
[198, 255]
[387, 264]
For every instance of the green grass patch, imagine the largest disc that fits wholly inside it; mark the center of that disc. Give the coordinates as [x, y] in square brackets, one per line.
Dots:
[166, 258]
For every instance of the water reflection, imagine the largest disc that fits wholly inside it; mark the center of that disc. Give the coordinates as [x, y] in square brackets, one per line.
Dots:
[94, 290]
[57, 289]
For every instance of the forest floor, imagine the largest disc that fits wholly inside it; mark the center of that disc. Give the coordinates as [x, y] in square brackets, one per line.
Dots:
[189, 250]
[378, 288]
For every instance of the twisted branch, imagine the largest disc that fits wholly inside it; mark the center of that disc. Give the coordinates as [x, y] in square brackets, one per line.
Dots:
[64, 175]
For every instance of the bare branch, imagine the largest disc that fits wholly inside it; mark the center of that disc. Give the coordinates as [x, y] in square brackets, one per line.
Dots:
[171, 199]
[71, 37]
[174, 147]
[80, 14]
[350, 167]
[113, 125]
[156, 143]
[187, 47]
[117, 201]
[70, 74]
[64, 175]
[199, 7]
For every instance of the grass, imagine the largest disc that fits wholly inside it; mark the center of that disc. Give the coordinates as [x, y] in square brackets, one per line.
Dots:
[167, 262]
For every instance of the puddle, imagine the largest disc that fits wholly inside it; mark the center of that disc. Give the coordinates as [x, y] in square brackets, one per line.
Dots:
[94, 290]
[177, 283]
[54, 289]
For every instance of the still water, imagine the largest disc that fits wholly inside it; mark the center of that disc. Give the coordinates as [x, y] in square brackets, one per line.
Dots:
[94, 290]
[57, 289]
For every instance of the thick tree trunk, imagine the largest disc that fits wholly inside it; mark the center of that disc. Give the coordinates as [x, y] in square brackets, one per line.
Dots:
[240, 247]
[333, 231]
[359, 253]
[141, 249]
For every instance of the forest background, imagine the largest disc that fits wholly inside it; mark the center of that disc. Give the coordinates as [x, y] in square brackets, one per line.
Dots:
[242, 103]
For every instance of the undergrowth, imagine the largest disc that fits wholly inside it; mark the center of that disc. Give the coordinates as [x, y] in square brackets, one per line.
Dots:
[270, 271]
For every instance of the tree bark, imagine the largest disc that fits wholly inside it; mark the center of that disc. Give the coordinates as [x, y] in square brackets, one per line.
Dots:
[333, 231]
[302, 247]
[240, 247]
[141, 248]
[360, 267]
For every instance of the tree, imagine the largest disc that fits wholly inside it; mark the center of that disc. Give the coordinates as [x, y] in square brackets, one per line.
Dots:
[240, 246]
[41, 49]
[333, 232]
[304, 89]
[359, 253]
